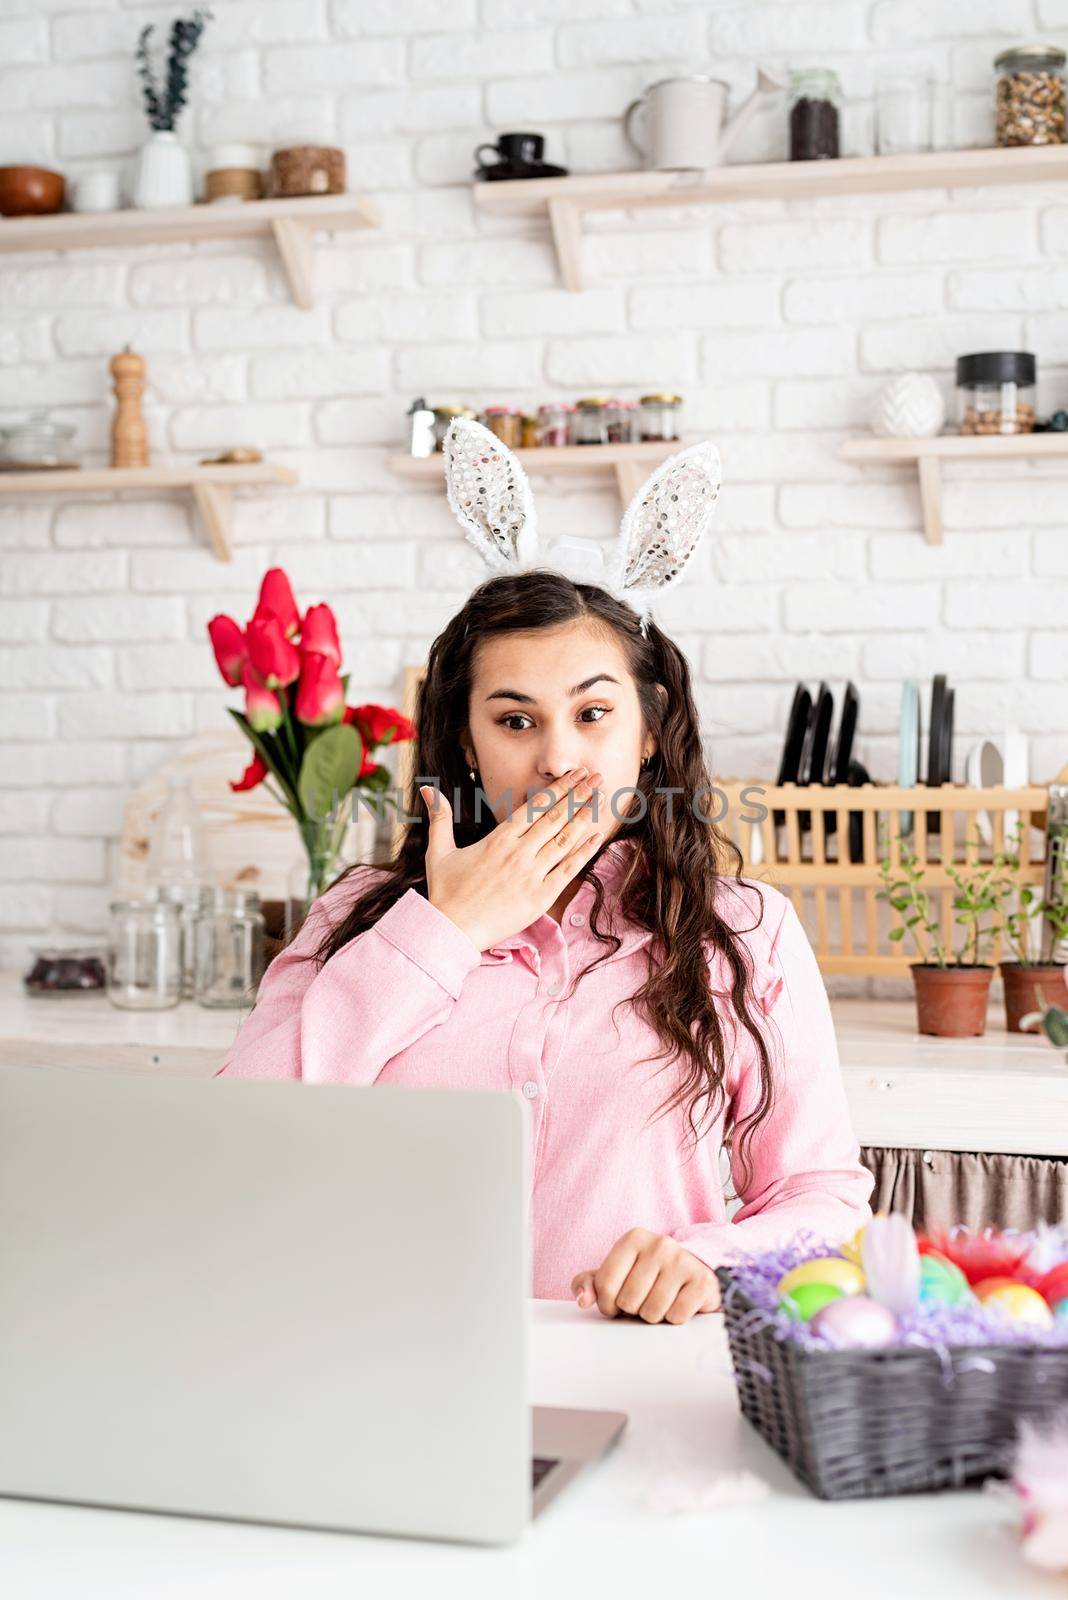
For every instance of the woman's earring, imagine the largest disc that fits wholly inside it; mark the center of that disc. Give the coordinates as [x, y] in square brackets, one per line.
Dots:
[644, 762]
[473, 773]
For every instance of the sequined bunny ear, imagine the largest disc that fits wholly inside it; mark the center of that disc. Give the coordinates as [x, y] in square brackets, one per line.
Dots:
[663, 525]
[490, 496]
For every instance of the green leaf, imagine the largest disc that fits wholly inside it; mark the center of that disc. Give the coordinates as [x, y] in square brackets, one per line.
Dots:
[895, 935]
[329, 770]
[267, 753]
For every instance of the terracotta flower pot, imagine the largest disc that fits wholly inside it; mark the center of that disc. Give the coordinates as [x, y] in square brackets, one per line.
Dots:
[1022, 984]
[951, 1001]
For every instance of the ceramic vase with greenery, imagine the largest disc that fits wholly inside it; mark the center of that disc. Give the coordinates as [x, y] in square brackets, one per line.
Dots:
[952, 980]
[1031, 923]
[163, 175]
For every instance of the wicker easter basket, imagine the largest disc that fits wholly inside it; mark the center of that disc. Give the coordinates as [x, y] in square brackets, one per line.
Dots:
[851, 1423]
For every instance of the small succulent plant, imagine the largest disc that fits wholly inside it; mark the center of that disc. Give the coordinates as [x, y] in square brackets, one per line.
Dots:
[164, 103]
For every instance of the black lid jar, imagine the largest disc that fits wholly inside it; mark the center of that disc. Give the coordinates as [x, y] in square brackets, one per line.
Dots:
[996, 391]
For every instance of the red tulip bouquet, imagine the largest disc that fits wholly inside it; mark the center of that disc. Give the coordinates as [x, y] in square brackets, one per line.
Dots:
[316, 748]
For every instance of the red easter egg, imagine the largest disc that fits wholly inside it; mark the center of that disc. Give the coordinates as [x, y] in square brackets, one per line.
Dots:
[986, 1286]
[1054, 1284]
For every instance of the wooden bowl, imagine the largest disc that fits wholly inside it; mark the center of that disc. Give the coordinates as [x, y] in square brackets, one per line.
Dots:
[30, 191]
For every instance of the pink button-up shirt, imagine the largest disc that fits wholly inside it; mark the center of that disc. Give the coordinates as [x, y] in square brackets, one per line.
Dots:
[413, 1001]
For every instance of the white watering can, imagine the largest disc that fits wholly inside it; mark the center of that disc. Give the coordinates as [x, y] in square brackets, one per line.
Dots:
[684, 121]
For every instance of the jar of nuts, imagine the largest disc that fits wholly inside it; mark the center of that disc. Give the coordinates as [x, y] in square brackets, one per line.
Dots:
[1029, 95]
[996, 391]
[506, 422]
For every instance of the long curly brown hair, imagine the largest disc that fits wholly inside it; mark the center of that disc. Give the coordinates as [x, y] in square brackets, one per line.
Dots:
[670, 885]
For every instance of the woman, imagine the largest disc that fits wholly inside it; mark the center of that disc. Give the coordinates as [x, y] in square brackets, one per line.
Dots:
[569, 926]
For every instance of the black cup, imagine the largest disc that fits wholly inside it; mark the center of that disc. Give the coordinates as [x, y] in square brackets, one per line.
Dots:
[517, 149]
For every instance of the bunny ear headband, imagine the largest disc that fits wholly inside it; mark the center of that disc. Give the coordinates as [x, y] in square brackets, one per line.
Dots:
[661, 528]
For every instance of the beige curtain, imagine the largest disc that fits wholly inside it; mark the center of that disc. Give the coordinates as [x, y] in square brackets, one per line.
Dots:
[935, 1188]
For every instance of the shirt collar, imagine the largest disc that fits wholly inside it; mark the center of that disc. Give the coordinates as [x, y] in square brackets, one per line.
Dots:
[610, 868]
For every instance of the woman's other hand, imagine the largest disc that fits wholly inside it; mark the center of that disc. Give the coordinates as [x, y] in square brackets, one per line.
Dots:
[648, 1275]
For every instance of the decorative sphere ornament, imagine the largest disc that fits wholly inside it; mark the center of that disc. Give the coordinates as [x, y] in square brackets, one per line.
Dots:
[910, 406]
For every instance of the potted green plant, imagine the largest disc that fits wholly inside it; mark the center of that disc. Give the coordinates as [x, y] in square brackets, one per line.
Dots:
[1025, 912]
[952, 984]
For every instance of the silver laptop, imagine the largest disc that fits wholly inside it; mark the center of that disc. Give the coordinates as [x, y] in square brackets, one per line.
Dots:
[273, 1301]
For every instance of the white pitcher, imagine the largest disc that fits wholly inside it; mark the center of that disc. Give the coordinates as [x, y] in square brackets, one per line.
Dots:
[685, 122]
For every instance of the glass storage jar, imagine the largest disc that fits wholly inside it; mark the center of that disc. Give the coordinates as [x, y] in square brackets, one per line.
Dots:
[144, 955]
[660, 416]
[1029, 95]
[507, 423]
[622, 422]
[815, 98]
[230, 952]
[529, 438]
[996, 392]
[37, 444]
[591, 420]
[443, 415]
[555, 423]
[66, 969]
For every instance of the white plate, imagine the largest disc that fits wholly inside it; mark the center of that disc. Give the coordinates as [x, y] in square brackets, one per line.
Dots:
[984, 769]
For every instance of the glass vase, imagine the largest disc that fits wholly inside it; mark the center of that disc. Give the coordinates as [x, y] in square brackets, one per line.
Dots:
[330, 847]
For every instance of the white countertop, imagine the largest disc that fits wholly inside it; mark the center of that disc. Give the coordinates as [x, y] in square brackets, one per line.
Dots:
[999, 1093]
[631, 1525]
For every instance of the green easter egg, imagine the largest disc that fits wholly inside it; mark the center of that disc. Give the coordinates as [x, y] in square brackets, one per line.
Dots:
[941, 1281]
[802, 1303]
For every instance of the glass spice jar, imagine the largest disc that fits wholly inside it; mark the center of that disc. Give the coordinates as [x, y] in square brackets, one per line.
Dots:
[660, 416]
[555, 422]
[815, 98]
[622, 421]
[506, 422]
[591, 420]
[144, 955]
[230, 952]
[1029, 95]
[529, 440]
[996, 392]
[443, 415]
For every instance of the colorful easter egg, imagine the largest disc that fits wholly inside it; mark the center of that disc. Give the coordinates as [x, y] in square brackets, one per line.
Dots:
[802, 1303]
[1054, 1283]
[941, 1282]
[987, 1286]
[845, 1275]
[1021, 1303]
[851, 1248]
[856, 1322]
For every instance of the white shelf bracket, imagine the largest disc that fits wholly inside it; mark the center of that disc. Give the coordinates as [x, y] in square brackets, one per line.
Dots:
[215, 504]
[297, 250]
[565, 219]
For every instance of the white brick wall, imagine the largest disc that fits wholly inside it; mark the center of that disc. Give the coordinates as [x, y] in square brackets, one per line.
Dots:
[777, 322]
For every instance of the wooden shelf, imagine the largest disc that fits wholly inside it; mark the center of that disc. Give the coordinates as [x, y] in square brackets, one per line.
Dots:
[565, 200]
[292, 223]
[928, 455]
[212, 487]
[630, 463]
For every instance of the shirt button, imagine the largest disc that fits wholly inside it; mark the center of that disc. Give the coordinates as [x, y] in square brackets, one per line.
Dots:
[577, 919]
[553, 989]
[530, 1089]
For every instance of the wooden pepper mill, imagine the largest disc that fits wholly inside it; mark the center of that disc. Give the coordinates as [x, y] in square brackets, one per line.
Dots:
[129, 434]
